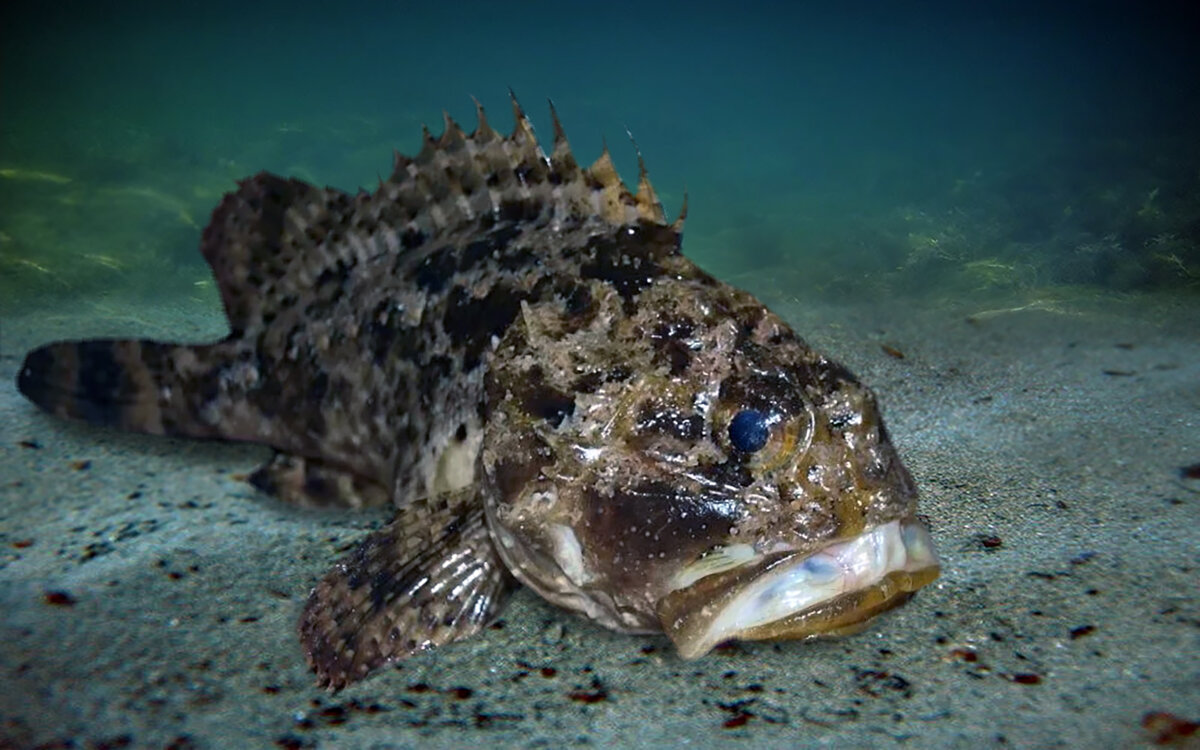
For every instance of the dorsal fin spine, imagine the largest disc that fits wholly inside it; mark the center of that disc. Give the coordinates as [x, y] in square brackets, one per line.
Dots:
[561, 158]
[483, 131]
[677, 225]
[445, 175]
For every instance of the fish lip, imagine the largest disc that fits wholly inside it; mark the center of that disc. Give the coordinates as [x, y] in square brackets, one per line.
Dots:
[802, 595]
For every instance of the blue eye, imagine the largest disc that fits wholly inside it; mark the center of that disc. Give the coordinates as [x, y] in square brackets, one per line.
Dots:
[748, 431]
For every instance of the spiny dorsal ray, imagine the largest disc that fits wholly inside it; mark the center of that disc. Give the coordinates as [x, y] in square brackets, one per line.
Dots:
[449, 167]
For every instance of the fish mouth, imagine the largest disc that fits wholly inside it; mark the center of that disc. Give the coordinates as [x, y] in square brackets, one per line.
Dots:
[793, 595]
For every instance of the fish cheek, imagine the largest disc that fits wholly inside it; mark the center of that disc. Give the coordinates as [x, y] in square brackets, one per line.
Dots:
[640, 536]
[515, 464]
[521, 503]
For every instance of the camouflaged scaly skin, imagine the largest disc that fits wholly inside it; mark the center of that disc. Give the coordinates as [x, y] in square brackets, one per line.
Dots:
[360, 324]
[613, 422]
[504, 345]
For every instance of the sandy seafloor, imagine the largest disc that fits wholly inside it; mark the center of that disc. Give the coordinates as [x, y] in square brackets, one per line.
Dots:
[1047, 444]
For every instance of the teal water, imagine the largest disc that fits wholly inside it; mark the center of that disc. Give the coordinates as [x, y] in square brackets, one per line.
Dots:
[936, 149]
[991, 213]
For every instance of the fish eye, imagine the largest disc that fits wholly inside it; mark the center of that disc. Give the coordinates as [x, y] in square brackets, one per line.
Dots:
[749, 430]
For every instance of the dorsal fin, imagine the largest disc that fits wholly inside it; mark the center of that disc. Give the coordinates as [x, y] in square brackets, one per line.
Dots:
[522, 127]
[648, 205]
[458, 177]
[483, 132]
[677, 225]
[452, 135]
[428, 142]
[269, 241]
[561, 158]
[266, 238]
[612, 193]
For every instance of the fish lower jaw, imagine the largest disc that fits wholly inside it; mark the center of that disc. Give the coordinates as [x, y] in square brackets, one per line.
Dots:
[793, 596]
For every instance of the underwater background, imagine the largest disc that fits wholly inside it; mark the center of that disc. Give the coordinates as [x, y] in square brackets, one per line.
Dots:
[848, 149]
[988, 211]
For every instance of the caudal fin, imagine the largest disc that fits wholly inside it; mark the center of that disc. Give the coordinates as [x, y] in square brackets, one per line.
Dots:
[120, 383]
[157, 388]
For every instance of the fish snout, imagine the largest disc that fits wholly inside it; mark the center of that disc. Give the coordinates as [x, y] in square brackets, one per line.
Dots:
[794, 595]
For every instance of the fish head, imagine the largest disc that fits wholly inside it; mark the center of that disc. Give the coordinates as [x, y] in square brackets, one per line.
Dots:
[682, 461]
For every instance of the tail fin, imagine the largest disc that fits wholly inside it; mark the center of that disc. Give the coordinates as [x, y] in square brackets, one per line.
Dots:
[130, 384]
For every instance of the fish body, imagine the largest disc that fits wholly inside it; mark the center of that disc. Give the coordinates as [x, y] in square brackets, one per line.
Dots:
[512, 350]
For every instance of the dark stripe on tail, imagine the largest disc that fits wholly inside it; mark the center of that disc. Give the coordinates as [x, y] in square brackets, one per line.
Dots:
[105, 382]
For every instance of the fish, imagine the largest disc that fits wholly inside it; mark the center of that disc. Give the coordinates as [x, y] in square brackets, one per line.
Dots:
[512, 350]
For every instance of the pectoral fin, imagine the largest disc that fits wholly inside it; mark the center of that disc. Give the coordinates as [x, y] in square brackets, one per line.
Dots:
[429, 577]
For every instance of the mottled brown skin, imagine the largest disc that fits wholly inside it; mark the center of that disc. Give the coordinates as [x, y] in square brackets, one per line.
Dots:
[450, 343]
[650, 395]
